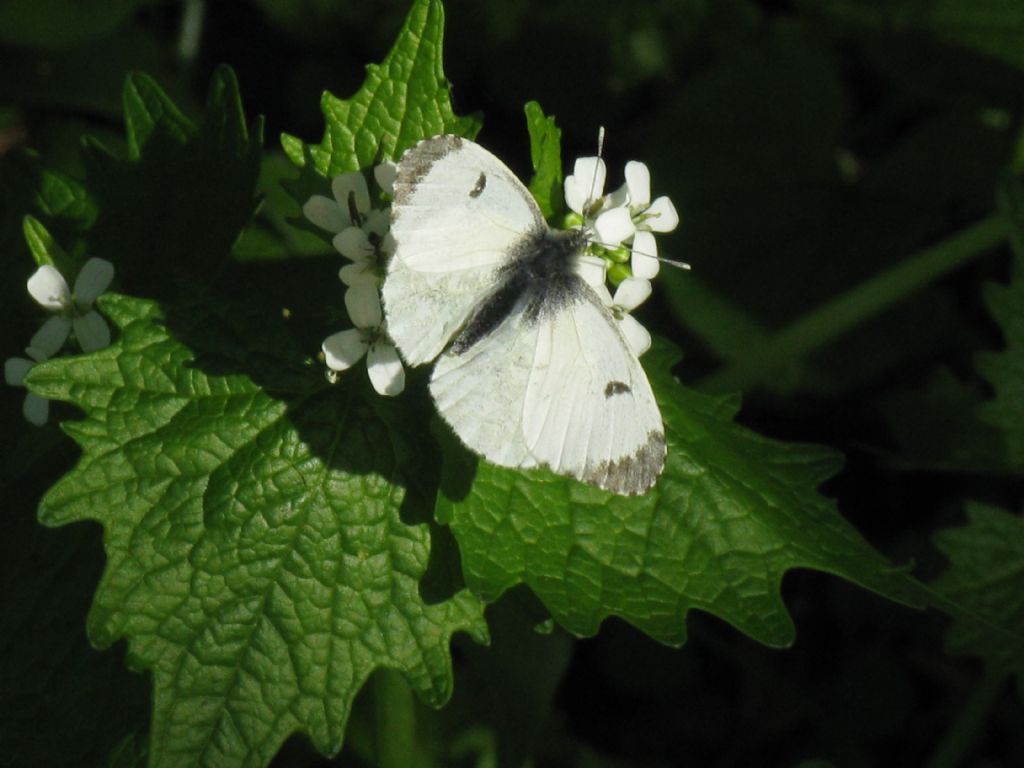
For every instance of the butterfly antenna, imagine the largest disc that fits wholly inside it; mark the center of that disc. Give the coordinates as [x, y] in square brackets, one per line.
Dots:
[662, 259]
[600, 153]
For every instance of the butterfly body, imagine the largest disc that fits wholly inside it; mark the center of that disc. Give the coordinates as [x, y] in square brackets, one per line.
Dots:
[532, 369]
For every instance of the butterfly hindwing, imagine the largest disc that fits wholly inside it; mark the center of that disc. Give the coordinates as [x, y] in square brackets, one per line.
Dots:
[457, 214]
[562, 390]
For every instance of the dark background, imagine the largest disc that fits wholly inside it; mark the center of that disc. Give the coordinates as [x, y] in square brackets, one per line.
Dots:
[804, 150]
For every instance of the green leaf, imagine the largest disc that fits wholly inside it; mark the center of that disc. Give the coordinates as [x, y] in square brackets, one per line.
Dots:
[994, 28]
[1005, 370]
[264, 556]
[404, 99]
[175, 205]
[731, 514]
[44, 249]
[546, 157]
[938, 428]
[985, 581]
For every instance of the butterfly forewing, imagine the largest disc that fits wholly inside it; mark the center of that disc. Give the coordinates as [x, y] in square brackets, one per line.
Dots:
[457, 213]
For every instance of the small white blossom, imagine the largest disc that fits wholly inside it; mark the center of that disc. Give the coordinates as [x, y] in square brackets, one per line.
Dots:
[36, 409]
[606, 215]
[361, 235]
[72, 309]
[344, 349]
[368, 247]
[351, 202]
[631, 293]
[360, 232]
[648, 218]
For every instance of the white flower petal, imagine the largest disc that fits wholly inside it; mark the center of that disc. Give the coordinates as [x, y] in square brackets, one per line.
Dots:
[616, 199]
[15, 369]
[385, 175]
[93, 279]
[586, 183]
[353, 244]
[378, 221]
[344, 349]
[637, 336]
[385, 369]
[575, 196]
[360, 274]
[638, 180]
[49, 288]
[351, 184]
[36, 354]
[324, 213]
[663, 216]
[51, 337]
[631, 293]
[91, 331]
[614, 226]
[363, 305]
[36, 409]
[592, 269]
[591, 173]
[645, 251]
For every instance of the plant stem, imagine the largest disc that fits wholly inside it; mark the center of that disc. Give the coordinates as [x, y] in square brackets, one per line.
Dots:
[823, 325]
[396, 720]
[964, 731]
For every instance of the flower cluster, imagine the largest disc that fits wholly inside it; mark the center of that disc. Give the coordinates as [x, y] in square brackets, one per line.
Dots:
[621, 227]
[70, 311]
[361, 235]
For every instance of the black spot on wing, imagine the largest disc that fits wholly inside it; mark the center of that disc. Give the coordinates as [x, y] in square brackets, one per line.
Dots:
[616, 388]
[478, 189]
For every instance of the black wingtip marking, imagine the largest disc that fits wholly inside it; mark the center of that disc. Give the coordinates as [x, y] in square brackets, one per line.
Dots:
[616, 388]
[477, 190]
[633, 474]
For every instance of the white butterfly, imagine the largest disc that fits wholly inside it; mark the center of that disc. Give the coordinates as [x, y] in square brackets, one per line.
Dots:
[533, 369]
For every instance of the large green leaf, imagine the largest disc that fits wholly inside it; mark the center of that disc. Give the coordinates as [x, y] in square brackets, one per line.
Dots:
[405, 98]
[173, 207]
[732, 512]
[263, 556]
[985, 581]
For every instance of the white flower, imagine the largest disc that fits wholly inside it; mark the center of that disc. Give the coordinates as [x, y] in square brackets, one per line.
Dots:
[631, 293]
[369, 337]
[36, 409]
[351, 202]
[368, 247]
[606, 215]
[360, 232]
[73, 310]
[648, 218]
